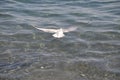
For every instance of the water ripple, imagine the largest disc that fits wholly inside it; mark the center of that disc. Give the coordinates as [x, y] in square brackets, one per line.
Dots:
[89, 53]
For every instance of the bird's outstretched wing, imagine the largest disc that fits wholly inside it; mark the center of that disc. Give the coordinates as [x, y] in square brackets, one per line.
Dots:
[47, 30]
[70, 29]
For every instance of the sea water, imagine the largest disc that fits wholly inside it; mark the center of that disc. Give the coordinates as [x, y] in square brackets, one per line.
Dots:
[92, 52]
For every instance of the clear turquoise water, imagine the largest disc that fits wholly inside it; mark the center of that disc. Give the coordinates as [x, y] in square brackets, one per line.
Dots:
[92, 52]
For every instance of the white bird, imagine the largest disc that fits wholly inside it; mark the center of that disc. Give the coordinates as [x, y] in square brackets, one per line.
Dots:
[58, 33]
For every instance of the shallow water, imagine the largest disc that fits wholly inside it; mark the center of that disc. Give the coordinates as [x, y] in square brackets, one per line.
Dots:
[92, 52]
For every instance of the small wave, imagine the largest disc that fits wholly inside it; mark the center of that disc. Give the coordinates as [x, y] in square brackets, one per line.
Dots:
[113, 64]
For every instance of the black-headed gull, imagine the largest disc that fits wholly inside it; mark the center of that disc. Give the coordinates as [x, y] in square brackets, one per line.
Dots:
[58, 33]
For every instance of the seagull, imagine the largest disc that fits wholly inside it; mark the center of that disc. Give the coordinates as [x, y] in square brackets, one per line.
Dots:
[58, 33]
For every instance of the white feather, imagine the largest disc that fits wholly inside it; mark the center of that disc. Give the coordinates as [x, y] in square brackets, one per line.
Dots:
[58, 33]
[70, 29]
[47, 30]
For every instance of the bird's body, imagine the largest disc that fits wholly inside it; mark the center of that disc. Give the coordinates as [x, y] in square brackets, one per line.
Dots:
[58, 33]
